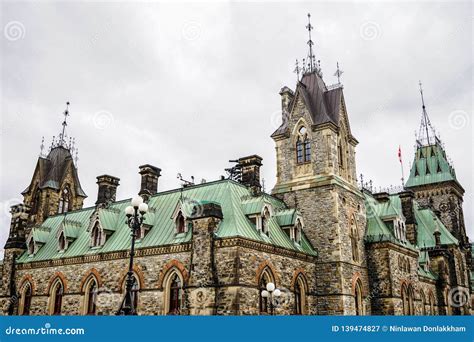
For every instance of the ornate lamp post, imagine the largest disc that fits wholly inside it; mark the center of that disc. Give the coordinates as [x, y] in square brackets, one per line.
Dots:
[135, 215]
[272, 294]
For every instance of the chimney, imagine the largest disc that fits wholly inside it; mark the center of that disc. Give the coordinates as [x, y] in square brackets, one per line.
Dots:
[382, 196]
[107, 189]
[250, 167]
[149, 183]
[407, 198]
[287, 96]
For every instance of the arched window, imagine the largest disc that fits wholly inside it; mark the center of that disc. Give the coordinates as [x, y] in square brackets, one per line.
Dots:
[135, 291]
[359, 306]
[56, 297]
[64, 201]
[180, 223]
[300, 296]
[298, 231]
[265, 278]
[303, 146]
[90, 296]
[96, 235]
[62, 241]
[307, 150]
[423, 302]
[340, 154]
[25, 300]
[36, 202]
[432, 301]
[411, 300]
[405, 305]
[31, 246]
[354, 240]
[173, 285]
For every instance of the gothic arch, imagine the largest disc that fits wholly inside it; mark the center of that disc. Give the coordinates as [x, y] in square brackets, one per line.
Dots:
[172, 264]
[28, 279]
[173, 284]
[137, 271]
[262, 267]
[91, 273]
[297, 273]
[53, 279]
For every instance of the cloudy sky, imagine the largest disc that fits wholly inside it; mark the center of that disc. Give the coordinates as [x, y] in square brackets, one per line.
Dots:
[186, 87]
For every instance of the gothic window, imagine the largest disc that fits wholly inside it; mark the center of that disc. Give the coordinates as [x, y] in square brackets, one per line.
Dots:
[25, 300]
[135, 291]
[300, 296]
[303, 146]
[431, 299]
[56, 297]
[180, 223]
[90, 296]
[36, 201]
[411, 300]
[62, 241]
[64, 201]
[265, 278]
[405, 305]
[358, 298]
[298, 231]
[96, 235]
[340, 154]
[354, 240]
[423, 302]
[174, 293]
[299, 151]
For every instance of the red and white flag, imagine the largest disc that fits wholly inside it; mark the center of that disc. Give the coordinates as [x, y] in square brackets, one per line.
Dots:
[400, 154]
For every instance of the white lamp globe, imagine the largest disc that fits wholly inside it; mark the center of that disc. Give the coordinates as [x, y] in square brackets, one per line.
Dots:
[277, 293]
[136, 201]
[265, 294]
[270, 287]
[129, 210]
[143, 208]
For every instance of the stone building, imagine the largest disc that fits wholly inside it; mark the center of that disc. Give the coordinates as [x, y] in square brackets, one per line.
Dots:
[331, 245]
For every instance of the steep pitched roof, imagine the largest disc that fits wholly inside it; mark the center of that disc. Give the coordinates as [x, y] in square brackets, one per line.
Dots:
[430, 166]
[53, 168]
[229, 194]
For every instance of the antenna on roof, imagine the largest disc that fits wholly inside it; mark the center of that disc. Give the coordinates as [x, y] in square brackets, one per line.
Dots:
[425, 126]
[62, 141]
[310, 44]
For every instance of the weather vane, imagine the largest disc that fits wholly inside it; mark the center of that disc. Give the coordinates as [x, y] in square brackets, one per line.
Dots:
[64, 124]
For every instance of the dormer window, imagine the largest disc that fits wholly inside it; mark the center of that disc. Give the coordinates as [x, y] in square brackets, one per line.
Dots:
[64, 201]
[31, 247]
[96, 236]
[180, 223]
[265, 220]
[62, 242]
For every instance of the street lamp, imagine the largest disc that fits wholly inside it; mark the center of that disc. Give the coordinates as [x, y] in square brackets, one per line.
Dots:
[272, 294]
[135, 215]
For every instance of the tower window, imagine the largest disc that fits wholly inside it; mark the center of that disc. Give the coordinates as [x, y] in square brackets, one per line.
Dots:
[299, 151]
[354, 240]
[307, 150]
[303, 147]
[64, 201]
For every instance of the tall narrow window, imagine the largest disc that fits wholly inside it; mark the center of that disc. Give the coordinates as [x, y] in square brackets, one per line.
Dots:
[180, 223]
[175, 294]
[358, 299]
[265, 221]
[341, 158]
[431, 299]
[135, 290]
[31, 247]
[299, 151]
[26, 300]
[64, 201]
[411, 301]
[57, 298]
[300, 296]
[423, 303]
[91, 297]
[265, 278]
[96, 235]
[405, 305]
[354, 240]
[36, 201]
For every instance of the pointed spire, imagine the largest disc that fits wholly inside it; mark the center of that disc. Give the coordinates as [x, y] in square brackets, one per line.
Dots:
[338, 73]
[297, 70]
[426, 133]
[311, 58]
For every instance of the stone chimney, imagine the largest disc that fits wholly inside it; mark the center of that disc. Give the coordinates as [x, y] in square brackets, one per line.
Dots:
[287, 96]
[107, 189]
[149, 182]
[382, 196]
[250, 167]
[407, 199]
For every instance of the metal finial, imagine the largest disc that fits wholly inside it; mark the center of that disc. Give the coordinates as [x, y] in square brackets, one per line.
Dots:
[338, 73]
[297, 70]
[64, 124]
[42, 147]
[309, 27]
[76, 157]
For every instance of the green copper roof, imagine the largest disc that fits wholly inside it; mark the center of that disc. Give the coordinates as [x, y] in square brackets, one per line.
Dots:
[427, 224]
[430, 166]
[286, 217]
[230, 195]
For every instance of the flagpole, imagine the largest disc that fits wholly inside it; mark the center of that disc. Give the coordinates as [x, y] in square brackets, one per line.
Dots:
[401, 164]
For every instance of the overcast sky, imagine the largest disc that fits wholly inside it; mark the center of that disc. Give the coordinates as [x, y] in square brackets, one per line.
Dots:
[186, 87]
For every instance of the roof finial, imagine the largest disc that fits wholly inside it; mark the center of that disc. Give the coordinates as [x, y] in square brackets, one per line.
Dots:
[338, 73]
[42, 147]
[425, 125]
[62, 141]
[297, 70]
[311, 57]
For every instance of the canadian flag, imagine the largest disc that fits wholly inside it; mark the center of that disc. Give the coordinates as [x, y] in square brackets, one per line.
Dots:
[400, 153]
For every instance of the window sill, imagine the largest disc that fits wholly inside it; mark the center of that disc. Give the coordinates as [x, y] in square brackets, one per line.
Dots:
[179, 235]
[96, 247]
[303, 163]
